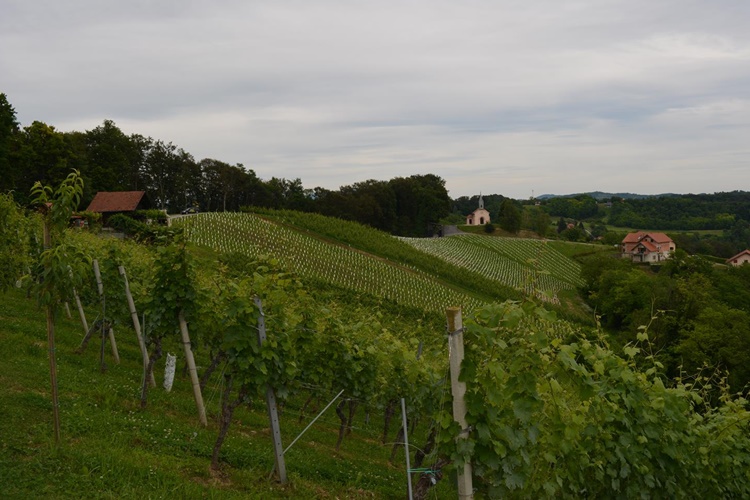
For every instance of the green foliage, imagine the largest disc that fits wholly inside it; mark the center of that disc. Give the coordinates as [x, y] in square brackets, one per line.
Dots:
[394, 249]
[489, 228]
[61, 266]
[558, 418]
[699, 310]
[113, 449]
[145, 233]
[536, 219]
[153, 215]
[15, 244]
[173, 289]
[510, 216]
[58, 205]
[312, 257]
[702, 211]
[719, 336]
[531, 265]
[574, 234]
[8, 132]
[92, 218]
[572, 207]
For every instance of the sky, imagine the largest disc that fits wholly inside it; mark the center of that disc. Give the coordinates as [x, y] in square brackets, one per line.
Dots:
[520, 98]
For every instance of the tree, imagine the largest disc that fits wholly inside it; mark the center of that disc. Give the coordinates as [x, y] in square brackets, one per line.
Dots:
[170, 176]
[561, 225]
[371, 202]
[510, 216]
[15, 244]
[60, 265]
[420, 201]
[720, 337]
[42, 155]
[539, 221]
[8, 131]
[113, 159]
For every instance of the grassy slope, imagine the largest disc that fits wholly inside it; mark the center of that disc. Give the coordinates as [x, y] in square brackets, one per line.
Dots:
[378, 243]
[112, 449]
[400, 256]
[382, 245]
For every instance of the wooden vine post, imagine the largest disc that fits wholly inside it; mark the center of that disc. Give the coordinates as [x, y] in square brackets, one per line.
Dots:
[193, 371]
[81, 312]
[137, 328]
[100, 288]
[51, 345]
[458, 390]
[273, 413]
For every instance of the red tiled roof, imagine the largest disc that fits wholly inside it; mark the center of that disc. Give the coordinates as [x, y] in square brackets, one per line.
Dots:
[649, 246]
[744, 252]
[638, 236]
[659, 237]
[115, 201]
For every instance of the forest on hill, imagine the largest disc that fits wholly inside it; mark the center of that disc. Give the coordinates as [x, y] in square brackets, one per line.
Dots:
[110, 160]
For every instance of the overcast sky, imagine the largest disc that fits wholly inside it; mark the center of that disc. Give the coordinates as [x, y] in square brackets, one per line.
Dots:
[508, 97]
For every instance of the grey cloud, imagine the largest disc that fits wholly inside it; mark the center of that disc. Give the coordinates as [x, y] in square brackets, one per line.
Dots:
[550, 96]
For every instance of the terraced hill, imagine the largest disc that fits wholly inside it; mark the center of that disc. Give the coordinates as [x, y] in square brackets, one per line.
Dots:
[428, 274]
[531, 265]
[312, 257]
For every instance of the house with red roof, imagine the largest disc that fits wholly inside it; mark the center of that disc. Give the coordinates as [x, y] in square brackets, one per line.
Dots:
[647, 247]
[741, 258]
[109, 203]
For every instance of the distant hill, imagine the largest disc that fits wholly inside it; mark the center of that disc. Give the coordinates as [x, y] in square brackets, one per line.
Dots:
[599, 195]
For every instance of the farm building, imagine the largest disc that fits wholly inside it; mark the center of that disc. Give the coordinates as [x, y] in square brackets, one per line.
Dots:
[647, 247]
[480, 216]
[741, 258]
[109, 203]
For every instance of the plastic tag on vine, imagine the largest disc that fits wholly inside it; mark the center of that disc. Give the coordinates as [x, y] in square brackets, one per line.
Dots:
[169, 371]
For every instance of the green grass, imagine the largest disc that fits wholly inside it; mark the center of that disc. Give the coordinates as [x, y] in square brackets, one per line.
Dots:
[702, 232]
[337, 264]
[111, 448]
[415, 273]
[575, 250]
[532, 265]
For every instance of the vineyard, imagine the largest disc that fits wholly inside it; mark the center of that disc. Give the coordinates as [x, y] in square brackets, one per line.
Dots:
[474, 269]
[550, 410]
[531, 265]
[312, 257]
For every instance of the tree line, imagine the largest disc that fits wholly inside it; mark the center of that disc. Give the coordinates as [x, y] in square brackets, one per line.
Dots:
[726, 214]
[110, 160]
[698, 314]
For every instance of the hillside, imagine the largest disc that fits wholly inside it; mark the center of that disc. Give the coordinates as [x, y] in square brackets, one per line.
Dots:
[111, 448]
[426, 274]
[543, 395]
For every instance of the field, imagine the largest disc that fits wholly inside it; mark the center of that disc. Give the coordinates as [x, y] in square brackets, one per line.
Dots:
[531, 265]
[111, 448]
[366, 320]
[428, 274]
